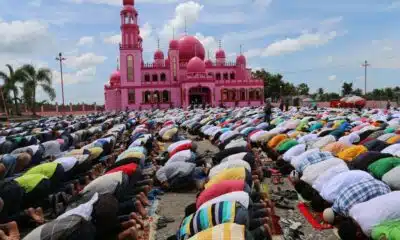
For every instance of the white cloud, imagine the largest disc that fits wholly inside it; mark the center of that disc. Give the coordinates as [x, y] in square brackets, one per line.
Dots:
[185, 13]
[84, 75]
[119, 2]
[210, 43]
[85, 60]
[35, 3]
[332, 78]
[394, 5]
[86, 40]
[114, 39]
[262, 3]
[290, 45]
[23, 36]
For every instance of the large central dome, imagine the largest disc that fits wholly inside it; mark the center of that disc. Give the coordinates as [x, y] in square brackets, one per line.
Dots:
[190, 47]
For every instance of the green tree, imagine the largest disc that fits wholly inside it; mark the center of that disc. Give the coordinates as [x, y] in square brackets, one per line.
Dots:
[347, 88]
[37, 78]
[10, 85]
[272, 83]
[358, 92]
[303, 89]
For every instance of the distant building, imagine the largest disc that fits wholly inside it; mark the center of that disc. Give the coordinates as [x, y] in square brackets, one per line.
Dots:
[180, 79]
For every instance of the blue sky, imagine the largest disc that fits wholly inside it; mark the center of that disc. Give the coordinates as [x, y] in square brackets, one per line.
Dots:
[321, 43]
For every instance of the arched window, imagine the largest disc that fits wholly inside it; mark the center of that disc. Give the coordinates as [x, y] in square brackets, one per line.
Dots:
[155, 77]
[242, 95]
[131, 96]
[156, 97]
[218, 76]
[211, 75]
[225, 76]
[165, 96]
[224, 95]
[251, 94]
[163, 77]
[130, 68]
[232, 75]
[147, 97]
[147, 77]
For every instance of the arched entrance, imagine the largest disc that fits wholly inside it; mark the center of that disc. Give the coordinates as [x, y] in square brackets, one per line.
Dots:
[199, 95]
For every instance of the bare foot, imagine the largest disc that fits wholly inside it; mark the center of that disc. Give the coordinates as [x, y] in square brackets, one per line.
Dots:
[142, 197]
[140, 209]
[13, 231]
[3, 236]
[267, 230]
[129, 234]
[36, 214]
[138, 220]
[128, 224]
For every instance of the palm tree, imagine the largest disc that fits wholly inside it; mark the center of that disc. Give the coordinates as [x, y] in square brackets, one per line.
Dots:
[10, 84]
[41, 77]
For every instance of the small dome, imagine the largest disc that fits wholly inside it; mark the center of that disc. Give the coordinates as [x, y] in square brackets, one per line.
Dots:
[196, 65]
[220, 54]
[208, 63]
[116, 76]
[174, 44]
[158, 55]
[190, 47]
[241, 60]
[128, 2]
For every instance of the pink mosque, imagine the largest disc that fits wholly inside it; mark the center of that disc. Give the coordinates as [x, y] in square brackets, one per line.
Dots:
[183, 78]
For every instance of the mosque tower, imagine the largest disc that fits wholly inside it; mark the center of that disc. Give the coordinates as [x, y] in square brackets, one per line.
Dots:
[130, 46]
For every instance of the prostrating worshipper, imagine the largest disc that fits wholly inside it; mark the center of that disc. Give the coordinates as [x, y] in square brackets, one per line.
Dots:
[36, 151]
[117, 184]
[11, 164]
[369, 215]
[238, 173]
[219, 213]
[311, 173]
[379, 168]
[362, 161]
[178, 176]
[233, 231]
[352, 194]
[94, 219]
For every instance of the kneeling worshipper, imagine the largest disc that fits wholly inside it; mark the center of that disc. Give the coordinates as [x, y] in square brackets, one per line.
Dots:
[376, 224]
[311, 173]
[220, 213]
[365, 159]
[36, 151]
[179, 175]
[352, 194]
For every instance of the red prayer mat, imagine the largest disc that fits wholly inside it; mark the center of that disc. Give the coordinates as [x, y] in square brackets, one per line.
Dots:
[314, 218]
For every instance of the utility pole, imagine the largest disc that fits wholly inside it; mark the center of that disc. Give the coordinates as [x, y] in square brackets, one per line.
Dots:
[365, 65]
[60, 58]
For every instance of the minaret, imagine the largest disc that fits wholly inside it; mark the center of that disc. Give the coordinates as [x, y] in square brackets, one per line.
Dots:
[130, 55]
[220, 55]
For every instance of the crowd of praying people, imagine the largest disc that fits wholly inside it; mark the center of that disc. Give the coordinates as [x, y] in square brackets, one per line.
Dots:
[95, 176]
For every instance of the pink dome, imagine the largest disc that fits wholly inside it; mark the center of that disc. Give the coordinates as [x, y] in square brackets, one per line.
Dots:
[208, 63]
[190, 47]
[116, 76]
[158, 55]
[129, 2]
[174, 44]
[220, 54]
[241, 60]
[196, 65]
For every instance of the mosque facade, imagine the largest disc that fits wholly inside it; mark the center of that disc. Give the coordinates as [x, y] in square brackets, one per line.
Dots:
[181, 78]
